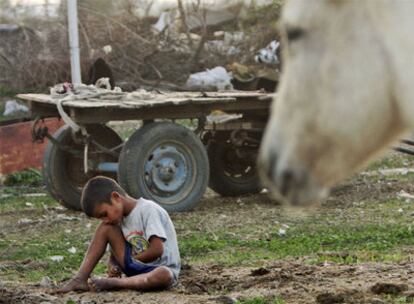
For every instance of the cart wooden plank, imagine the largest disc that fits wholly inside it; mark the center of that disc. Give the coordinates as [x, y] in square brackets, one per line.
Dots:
[148, 105]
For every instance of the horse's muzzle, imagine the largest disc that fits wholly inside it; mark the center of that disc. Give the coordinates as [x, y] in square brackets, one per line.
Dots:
[288, 183]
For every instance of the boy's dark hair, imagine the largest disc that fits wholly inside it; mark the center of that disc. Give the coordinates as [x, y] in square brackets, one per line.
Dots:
[98, 191]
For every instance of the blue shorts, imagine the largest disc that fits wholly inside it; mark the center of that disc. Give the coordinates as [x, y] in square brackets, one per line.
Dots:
[132, 267]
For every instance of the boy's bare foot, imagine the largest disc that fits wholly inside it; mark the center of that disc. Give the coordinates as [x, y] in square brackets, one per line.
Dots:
[75, 284]
[103, 284]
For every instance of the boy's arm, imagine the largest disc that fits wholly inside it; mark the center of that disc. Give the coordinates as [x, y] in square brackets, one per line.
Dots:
[154, 251]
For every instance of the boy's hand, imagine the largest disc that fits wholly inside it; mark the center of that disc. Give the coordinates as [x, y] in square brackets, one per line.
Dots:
[153, 252]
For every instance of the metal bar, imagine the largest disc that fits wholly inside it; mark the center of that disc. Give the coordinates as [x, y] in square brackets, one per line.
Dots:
[108, 167]
[74, 41]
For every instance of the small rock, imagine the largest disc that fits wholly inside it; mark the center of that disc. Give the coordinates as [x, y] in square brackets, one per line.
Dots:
[46, 282]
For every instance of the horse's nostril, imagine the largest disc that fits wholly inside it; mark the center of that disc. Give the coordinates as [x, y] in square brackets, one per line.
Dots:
[287, 179]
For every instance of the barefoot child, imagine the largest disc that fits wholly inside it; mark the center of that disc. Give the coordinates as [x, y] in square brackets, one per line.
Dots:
[142, 239]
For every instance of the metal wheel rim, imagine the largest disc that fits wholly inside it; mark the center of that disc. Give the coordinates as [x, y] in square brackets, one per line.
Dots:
[167, 168]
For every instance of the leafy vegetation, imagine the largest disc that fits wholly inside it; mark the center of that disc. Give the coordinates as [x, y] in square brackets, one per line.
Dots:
[260, 300]
[30, 177]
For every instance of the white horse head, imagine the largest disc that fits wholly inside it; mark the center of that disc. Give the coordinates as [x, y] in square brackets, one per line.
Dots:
[346, 92]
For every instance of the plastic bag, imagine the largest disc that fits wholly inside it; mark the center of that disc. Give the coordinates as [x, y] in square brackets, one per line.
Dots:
[217, 79]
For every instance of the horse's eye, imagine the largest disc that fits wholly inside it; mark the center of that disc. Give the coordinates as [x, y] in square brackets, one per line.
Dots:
[295, 33]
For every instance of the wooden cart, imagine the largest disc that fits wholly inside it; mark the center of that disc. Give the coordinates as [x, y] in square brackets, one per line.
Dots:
[162, 160]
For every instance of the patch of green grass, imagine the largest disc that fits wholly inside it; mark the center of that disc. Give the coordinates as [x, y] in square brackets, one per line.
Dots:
[392, 161]
[398, 299]
[262, 300]
[30, 177]
[33, 251]
[21, 199]
[305, 240]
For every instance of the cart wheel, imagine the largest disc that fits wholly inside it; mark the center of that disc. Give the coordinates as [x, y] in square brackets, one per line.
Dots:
[167, 163]
[63, 172]
[233, 169]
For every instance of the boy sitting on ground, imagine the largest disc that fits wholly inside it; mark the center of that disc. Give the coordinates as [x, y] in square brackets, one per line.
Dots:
[142, 239]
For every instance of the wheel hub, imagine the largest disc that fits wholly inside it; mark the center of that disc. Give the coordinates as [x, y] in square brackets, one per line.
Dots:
[166, 170]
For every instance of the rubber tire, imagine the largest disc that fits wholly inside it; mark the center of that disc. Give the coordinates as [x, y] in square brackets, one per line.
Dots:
[221, 182]
[139, 148]
[55, 173]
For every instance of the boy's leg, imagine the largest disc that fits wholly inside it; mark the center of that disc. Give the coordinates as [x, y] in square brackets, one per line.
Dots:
[113, 268]
[160, 278]
[104, 234]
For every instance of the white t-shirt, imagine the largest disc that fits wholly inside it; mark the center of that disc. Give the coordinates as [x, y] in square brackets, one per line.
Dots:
[148, 219]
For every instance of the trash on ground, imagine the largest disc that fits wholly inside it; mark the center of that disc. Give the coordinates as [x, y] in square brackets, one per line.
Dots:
[57, 258]
[12, 107]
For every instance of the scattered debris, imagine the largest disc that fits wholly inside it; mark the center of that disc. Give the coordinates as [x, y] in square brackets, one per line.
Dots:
[13, 108]
[65, 217]
[387, 172]
[46, 282]
[406, 195]
[227, 46]
[57, 258]
[72, 250]
[282, 232]
[268, 54]
[24, 221]
[216, 79]
[34, 194]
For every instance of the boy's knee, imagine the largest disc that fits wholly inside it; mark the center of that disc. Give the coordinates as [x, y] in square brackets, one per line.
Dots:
[164, 276]
[107, 229]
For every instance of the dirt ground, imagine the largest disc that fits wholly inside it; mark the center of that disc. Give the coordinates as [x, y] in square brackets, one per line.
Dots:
[291, 279]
